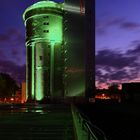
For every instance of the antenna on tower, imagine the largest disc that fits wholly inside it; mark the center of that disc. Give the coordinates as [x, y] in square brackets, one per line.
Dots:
[82, 9]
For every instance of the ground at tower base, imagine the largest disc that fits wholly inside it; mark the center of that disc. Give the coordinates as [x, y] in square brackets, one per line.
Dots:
[45, 121]
[109, 121]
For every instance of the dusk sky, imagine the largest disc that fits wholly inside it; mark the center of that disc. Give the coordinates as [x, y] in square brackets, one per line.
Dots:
[12, 37]
[117, 41]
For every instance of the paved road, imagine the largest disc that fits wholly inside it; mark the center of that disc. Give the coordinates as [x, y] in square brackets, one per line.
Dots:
[48, 122]
[118, 121]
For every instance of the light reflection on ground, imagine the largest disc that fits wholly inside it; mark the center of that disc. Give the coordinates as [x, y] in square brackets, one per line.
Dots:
[35, 122]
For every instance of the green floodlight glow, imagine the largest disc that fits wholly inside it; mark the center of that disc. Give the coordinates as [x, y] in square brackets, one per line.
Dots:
[38, 13]
[39, 86]
[32, 73]
[55, 45]
[44, 29]
[44, 4]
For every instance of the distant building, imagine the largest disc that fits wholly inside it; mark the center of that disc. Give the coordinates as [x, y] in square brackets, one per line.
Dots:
[23, 92]
[131, 91]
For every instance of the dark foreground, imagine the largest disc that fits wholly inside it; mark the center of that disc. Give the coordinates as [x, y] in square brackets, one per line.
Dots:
[41, 122]
[118, 121]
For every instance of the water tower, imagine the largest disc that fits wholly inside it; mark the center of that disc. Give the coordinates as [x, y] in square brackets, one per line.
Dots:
[44, 49]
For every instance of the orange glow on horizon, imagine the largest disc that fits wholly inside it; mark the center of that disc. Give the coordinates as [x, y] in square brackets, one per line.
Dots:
[105, 85]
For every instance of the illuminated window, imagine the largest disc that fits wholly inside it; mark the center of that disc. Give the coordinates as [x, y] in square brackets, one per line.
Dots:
[40, 57]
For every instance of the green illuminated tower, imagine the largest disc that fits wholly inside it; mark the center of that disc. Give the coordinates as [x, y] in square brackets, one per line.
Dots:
[44, 49]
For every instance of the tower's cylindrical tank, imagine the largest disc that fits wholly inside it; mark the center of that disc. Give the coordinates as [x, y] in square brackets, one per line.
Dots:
[44, 49]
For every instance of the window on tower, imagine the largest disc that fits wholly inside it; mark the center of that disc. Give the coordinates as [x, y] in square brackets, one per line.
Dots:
[40, 57]
[46, 23]
[46, 31]
[46, 17]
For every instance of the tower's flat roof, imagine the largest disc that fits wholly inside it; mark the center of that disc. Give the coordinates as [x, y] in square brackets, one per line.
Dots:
[43, 4]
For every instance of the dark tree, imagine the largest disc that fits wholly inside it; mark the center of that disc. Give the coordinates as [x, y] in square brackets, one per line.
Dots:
[8, 85]
[114, 88]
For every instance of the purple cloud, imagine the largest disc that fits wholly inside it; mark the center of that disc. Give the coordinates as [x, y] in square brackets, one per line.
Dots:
[13, 46]
[104, 24]
[14, 52]
[135, 51]
[118, 66]
[2, 54]
[4, 37]
[13, 36]
[114, 59]
[119, 75]
[130, 25]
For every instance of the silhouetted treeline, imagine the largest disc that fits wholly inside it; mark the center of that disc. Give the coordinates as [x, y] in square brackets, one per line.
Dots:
[8, 85]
